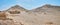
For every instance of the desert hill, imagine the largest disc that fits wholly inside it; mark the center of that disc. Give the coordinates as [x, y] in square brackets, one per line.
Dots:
[45, 15]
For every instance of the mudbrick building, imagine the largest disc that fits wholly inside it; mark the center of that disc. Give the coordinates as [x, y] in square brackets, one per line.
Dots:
[17, 15]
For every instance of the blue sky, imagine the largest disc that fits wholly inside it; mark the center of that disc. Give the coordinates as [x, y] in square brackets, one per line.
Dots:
[28, 4]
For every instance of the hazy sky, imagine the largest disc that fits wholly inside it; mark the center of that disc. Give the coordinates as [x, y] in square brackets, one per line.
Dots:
[28, 4]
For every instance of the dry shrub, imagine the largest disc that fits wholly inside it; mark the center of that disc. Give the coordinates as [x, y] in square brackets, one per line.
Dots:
[49, 23]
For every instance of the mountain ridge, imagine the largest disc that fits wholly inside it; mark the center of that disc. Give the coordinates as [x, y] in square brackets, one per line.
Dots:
[22, 8]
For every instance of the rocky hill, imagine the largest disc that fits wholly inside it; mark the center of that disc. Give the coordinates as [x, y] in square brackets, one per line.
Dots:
[17, 15]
